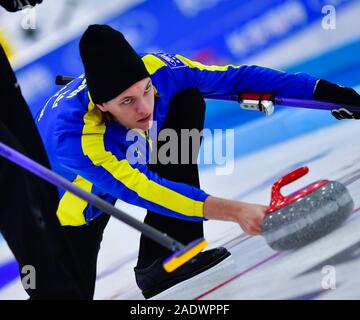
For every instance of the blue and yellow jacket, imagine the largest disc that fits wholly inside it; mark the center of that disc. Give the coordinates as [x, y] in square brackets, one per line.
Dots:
[91, 152]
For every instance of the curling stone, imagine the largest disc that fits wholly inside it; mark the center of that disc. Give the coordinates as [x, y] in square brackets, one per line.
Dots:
[305, 215]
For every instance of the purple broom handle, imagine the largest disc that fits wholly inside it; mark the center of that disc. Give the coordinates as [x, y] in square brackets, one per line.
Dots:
[313, 104]
[59, 181]
[296, 103]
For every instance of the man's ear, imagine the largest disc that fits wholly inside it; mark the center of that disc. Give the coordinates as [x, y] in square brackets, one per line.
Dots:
[101, 107]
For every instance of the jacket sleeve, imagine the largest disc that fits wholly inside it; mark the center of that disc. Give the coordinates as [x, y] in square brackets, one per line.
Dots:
[231, 79]
[107, 168]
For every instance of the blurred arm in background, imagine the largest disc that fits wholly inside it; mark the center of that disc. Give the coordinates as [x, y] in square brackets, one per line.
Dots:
[16, 5]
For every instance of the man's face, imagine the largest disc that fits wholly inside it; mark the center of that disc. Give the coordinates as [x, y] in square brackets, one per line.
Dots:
[134, 107]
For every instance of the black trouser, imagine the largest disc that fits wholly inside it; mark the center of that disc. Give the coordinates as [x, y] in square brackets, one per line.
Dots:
[187, 111]
[28, 219]
[85, 244]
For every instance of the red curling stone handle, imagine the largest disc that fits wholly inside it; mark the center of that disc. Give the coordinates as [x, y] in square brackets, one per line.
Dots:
[278, 201]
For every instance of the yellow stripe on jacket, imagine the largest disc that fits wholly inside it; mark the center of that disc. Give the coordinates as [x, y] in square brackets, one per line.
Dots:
[71, 208]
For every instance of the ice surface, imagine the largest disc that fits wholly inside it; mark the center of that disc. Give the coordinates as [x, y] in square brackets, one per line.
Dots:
[254, 270]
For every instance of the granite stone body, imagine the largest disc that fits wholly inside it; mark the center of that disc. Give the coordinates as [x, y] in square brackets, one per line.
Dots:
[309, 218]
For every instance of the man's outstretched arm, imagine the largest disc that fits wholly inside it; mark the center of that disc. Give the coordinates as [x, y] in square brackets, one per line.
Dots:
[248, 215]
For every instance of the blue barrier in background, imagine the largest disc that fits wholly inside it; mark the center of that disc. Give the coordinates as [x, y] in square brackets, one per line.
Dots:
[217, 31]
[341, 65]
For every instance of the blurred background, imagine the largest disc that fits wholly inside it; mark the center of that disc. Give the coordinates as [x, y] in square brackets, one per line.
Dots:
[321, 37]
